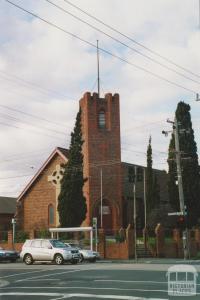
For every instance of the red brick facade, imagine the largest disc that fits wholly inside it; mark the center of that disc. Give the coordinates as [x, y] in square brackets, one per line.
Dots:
[106, 175]
[102, 152]
[34, 203]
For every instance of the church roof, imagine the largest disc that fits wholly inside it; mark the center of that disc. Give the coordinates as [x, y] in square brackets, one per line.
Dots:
[7, 205]
[64, 151]
[59, 151]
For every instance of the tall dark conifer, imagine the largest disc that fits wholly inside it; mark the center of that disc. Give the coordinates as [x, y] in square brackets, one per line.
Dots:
[189, 166]
[71, 201]
[152, 186]
[149, 178]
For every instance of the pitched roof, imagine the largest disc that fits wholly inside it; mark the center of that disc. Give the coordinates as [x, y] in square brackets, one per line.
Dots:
[64, 151]
[7, 205]
[61, 152]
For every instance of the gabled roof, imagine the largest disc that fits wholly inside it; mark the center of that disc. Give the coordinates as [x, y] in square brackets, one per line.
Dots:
[61, 152]
[7, 205]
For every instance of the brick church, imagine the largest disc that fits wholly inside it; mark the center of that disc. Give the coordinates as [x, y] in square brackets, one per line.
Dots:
[107, 182]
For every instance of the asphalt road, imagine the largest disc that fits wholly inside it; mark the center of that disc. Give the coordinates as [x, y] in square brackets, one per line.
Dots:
[86, 281]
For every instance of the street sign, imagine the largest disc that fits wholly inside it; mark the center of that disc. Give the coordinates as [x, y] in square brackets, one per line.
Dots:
[177, 213]
[94, 222]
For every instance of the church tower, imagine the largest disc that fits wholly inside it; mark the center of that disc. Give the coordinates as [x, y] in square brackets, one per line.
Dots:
[102, 159]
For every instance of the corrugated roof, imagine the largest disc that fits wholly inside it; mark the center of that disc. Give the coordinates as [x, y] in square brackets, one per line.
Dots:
[7, 205]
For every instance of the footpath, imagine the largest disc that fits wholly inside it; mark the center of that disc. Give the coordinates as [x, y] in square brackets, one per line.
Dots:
[171, 261]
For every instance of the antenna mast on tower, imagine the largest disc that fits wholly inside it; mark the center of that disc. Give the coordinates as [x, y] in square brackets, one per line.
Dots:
[98, 79]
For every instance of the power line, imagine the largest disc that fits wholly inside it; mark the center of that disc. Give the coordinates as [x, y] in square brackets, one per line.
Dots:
[101, 49]
[35, 131]
[5, 116]
[122, 43]
[26, 82]
[133, 40]
[31, 115]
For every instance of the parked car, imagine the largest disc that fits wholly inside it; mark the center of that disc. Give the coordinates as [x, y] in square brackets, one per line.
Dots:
[48, 250]
[8, 255]
[85, 254]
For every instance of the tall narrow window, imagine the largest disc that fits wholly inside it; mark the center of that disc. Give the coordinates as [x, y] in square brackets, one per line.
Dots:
[51, 214]
[102, 119]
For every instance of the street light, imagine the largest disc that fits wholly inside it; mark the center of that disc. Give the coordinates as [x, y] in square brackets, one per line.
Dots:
[13, 221]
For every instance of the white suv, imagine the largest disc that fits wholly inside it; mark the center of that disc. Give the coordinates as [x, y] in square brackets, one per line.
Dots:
[48, 250]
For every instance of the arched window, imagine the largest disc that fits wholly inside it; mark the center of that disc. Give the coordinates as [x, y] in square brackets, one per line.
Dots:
[102, 119]
[51, 214]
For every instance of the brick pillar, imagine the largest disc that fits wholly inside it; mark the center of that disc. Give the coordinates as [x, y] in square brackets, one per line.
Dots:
[197, 238]
[102, 243]
[145, 236]
[122, 234]
[178, 242]
[130, 240]
[160, 240]
[31, 234]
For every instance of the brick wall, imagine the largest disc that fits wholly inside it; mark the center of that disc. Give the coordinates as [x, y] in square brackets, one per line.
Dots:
[34, 207]
[101, 150]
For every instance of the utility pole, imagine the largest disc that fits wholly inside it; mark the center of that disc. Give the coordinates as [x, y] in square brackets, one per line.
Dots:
[145, 209]
[132, 174]
[180, 181]
[135, 214]
[180, 185]
[145, 201]
[101, 180]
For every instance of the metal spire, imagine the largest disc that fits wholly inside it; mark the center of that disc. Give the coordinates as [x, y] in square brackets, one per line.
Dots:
[98, 79]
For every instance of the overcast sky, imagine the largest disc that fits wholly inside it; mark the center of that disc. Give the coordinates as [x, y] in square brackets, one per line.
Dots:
[45, 71]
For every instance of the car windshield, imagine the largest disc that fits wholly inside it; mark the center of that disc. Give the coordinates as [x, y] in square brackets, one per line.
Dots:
[74, 245]
[58, 244]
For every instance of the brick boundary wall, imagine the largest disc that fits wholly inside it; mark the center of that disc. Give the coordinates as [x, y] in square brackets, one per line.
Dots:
[125, 249]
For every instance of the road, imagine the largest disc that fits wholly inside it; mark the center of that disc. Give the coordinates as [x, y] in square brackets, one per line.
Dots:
[86, 281]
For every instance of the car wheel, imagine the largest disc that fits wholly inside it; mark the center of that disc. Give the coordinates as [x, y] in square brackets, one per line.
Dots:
[81, 258]
[59, 259]
[28, 259]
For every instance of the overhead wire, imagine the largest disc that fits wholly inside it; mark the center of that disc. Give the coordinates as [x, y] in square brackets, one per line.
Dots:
[101, 49]
[30, 129]
[132, 40]
[26, 82]
[122, 43]
[29, 123]
[33, 116]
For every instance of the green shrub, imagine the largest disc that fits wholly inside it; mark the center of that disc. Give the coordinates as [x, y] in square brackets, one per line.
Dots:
[43, 233]
[119, 238]
[21, 236]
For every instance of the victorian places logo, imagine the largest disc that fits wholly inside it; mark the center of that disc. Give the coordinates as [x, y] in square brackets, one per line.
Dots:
[182, 280]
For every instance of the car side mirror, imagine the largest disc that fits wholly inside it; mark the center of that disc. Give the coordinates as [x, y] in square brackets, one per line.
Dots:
[49, 247]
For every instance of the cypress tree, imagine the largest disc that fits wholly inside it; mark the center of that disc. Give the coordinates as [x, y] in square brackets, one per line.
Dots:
[189, 166]
[149, 178]
[71, 201]
[152, 186]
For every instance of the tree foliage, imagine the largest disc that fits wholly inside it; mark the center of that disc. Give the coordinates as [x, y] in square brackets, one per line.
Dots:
[189, 166]
[71, 201]
[152, 186]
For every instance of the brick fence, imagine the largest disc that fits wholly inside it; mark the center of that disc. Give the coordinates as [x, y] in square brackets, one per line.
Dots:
[169, 247]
